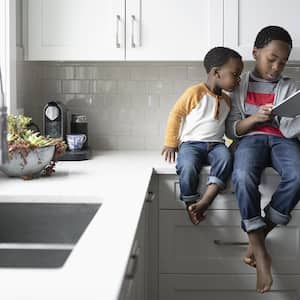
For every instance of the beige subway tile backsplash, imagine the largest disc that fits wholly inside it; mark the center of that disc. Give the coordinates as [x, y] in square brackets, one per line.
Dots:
[51, 87]
[127, 103]
[173, 73]
[104, 142]
[75, 86]
[196, 72]
[131, 87]
[104, 86]
[58, 72]
[86, 72]
[158, 86]
[145, 73]
[131, 142]
[292, 71]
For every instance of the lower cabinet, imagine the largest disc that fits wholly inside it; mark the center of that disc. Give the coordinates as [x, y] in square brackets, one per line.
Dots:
[204, 262]
[133, 287]
[139, 280]
[223, 287]
[172, 259]
[217, 245]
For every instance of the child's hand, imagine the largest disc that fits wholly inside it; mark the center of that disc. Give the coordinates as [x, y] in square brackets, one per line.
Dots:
[169, 153]
[264, 113]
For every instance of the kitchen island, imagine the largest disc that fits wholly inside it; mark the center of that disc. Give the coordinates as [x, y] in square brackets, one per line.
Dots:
[95, 269]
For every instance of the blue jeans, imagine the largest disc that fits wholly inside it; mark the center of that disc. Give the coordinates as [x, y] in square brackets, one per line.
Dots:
[252, 156]
[192, 156]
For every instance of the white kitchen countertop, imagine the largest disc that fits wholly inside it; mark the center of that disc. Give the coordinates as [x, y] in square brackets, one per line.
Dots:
[96, 266]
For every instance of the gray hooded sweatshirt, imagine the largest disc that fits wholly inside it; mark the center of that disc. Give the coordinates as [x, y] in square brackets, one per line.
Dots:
[289, 127]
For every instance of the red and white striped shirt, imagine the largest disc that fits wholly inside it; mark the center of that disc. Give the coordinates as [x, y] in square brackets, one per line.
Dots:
[261, 92]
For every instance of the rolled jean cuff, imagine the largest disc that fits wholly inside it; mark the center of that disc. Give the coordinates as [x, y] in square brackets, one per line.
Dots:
[253, 224]
[275, 216]
[190, 198]
[217, 181]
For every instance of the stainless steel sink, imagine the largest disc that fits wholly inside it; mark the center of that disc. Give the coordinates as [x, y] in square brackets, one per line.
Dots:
[41, 235]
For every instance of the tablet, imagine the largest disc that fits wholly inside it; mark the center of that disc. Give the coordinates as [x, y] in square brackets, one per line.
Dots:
[290, 107]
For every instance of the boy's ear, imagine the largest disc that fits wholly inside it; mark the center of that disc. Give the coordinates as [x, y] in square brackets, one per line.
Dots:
[254, 52]
[215, 72]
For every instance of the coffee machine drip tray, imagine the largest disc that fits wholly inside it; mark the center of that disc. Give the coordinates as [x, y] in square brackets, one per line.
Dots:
[76, 155]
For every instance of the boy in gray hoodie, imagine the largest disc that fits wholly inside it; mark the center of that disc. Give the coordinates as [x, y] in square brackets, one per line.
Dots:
[264, 140]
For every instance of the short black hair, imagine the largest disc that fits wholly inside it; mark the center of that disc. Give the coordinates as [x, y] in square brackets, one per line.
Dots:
[271, 33]
[219, 56]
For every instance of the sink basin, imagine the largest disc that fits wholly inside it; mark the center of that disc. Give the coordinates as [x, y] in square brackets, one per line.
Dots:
[41, 235]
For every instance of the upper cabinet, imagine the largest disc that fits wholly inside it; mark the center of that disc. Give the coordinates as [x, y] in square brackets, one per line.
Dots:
[172, 29]
[243, 19]
[150, 30]
[133, 30]
[74, 29]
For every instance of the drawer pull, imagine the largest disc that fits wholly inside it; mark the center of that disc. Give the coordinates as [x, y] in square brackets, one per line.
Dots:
[223, 243]
[132, 266]
[150, 197]
[133, 261]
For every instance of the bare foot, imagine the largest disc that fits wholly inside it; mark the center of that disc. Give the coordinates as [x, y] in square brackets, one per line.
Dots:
[249, 257]
[198, 209]
[263, 272]
[195, 217]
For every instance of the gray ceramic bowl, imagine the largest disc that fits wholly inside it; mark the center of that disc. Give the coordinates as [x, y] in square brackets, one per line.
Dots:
[36, 161]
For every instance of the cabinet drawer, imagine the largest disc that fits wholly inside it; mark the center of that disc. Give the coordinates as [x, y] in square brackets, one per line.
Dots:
[218, 244]
[169, 193]
[225, 287]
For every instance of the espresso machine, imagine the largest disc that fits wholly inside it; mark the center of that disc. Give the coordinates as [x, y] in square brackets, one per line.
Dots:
[55, 123]
[55, 120]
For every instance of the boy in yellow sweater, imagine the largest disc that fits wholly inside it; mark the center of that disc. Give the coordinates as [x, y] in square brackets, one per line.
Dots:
[196, 127]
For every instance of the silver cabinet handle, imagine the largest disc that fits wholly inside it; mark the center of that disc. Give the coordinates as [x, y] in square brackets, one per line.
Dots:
[128, 289]
[118, 45]
[223, 243]
[133, 261]
[133, 19]
[150, 197]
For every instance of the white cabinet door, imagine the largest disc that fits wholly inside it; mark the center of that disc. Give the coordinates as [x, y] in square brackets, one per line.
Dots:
[133, 287]
[228, 287]
[151, 240]
[172, 29]
[75, 29]
[243, 19]
[218, 244]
